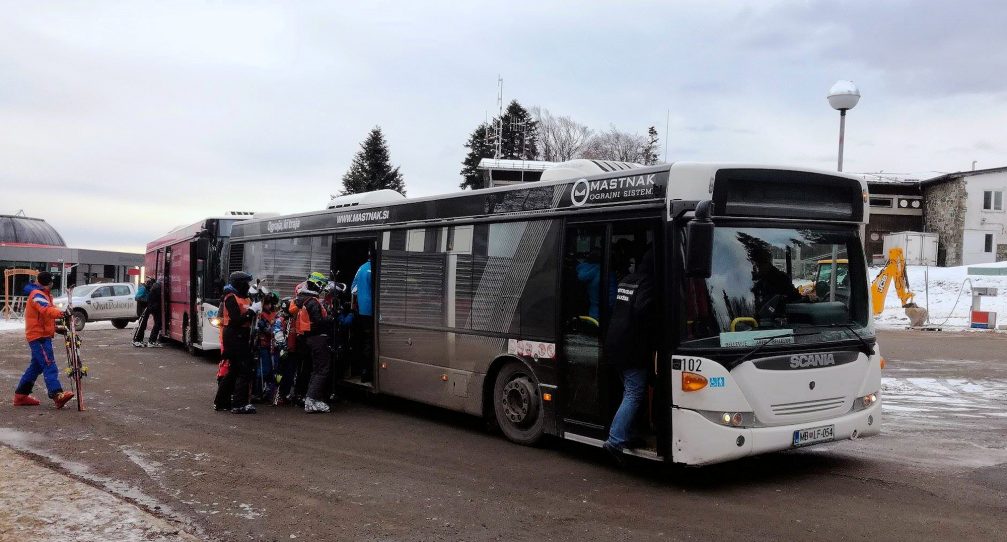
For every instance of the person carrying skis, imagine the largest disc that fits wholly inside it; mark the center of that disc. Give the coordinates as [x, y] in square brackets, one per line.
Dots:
[154, 308]
[314, 324]
[237, 317]
[40, 317]
[142, 297]
[266, 326]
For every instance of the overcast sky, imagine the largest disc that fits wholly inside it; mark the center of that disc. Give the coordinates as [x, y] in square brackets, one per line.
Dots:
[121, 120]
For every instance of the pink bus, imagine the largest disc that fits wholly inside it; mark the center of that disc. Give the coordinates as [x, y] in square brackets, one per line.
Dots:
[191, 263]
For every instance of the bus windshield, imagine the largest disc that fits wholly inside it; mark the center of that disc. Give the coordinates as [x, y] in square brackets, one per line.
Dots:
[776, 282]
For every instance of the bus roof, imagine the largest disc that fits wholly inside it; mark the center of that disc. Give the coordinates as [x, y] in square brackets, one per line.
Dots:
[630, 188]
[182, 233]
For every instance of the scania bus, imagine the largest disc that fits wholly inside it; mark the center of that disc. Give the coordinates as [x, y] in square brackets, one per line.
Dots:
[495, 302]
[189, 263]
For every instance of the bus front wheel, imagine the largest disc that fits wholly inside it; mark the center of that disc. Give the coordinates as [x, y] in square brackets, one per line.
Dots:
[517, 404]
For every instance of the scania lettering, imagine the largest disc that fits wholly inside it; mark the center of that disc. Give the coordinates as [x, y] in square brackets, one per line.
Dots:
[496, 302]
[811, 360]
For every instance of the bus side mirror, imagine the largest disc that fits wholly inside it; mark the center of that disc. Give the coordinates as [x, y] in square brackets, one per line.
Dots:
[699, 247]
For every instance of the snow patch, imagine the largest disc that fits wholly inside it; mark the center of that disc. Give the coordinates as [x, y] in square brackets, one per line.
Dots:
[944, 292]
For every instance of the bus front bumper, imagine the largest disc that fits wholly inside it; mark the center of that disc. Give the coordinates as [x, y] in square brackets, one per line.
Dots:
[698, 441]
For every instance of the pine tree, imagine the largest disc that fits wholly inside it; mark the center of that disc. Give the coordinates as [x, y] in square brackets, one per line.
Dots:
[372, 169]
[519, 134]
[649, 153]
[479, 147]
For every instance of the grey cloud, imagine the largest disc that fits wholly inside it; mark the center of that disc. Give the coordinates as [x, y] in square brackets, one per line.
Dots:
[924, 48]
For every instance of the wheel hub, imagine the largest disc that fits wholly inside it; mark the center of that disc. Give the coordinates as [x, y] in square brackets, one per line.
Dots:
[518, 400]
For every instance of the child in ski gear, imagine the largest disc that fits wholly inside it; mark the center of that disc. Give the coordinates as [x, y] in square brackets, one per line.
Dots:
[285, 343]
[40, 326]
[235, 345]
[314, 325]
[142, 310]
[298, 345]
[266, 326]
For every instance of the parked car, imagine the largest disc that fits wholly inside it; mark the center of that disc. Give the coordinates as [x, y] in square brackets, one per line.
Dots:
[97, 302]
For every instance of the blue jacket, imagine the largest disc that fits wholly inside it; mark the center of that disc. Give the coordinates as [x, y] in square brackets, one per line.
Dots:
[362, 288]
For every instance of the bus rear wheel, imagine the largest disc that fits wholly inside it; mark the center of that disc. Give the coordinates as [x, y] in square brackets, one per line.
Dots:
[517, 404]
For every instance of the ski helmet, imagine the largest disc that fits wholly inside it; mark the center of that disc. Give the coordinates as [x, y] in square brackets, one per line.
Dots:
[319, 281]
[241, 281]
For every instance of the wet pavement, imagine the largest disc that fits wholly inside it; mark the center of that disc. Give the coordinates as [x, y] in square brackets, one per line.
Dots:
[381, 469]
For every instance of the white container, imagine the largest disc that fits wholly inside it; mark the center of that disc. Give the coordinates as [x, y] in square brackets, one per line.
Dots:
[919, 248]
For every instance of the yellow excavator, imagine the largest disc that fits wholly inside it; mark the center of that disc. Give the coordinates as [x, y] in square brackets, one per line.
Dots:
[893, 271]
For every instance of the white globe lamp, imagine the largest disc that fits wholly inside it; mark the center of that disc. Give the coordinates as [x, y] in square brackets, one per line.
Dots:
[843, 96]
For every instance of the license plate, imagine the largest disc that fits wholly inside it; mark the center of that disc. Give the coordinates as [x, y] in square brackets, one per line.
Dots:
[803, 437]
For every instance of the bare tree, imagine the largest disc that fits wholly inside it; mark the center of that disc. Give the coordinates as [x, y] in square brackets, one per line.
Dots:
[616, 145]
[560, 138]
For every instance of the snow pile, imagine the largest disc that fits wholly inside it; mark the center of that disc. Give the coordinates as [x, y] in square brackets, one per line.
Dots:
[11, 325]
[938, 289]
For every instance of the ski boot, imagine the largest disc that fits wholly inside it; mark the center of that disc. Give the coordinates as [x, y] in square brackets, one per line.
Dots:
[62, 398]
[312, 406]
[23, 399]
[247, 409]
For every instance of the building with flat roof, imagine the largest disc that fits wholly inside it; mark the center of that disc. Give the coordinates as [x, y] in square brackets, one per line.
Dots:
[32, 243]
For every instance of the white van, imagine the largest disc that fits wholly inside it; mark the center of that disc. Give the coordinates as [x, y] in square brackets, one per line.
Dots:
[97, 302]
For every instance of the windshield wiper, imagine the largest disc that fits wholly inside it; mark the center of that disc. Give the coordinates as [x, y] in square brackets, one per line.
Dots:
[868, 350]
[770, 339]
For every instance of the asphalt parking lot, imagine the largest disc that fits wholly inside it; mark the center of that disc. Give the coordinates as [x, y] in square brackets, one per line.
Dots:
[380, 469]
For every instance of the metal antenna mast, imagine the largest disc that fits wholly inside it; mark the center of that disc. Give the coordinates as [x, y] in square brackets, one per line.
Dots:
[499, 134]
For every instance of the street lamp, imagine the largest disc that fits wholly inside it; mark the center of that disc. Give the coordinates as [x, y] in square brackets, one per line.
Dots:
[843, 96]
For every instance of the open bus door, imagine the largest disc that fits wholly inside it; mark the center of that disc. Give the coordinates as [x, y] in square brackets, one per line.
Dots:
[166, 295]
[597, 255]
[356, 347]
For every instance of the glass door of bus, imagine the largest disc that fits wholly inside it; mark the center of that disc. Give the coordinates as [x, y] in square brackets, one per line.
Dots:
[597, 255]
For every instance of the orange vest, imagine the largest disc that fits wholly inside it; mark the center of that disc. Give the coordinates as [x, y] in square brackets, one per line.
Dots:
[40, 316]
[244, 304]
[304, 319]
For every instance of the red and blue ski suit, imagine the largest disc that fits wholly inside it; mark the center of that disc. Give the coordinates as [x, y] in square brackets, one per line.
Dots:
[40, 317]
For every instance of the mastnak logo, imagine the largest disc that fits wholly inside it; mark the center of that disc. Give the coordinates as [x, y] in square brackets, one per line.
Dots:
[580, 193]
[286, 224]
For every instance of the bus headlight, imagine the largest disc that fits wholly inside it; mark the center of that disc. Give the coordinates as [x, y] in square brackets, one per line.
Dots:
[215, 322]
[731, 419]
[861, 403]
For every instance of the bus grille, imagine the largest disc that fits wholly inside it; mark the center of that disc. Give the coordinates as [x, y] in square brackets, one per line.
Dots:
[807, 407]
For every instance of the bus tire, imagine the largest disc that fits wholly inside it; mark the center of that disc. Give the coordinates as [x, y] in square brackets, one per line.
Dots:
[79, 319]
[120, 324]
[517, 404]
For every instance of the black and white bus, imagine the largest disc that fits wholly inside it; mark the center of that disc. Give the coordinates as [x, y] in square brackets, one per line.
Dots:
[495, 302]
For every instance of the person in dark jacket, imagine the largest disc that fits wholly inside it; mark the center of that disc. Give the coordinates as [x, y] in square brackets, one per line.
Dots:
[237, 315]
[315, 323]
[142, 301]
[630, 343]
[154, 307]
